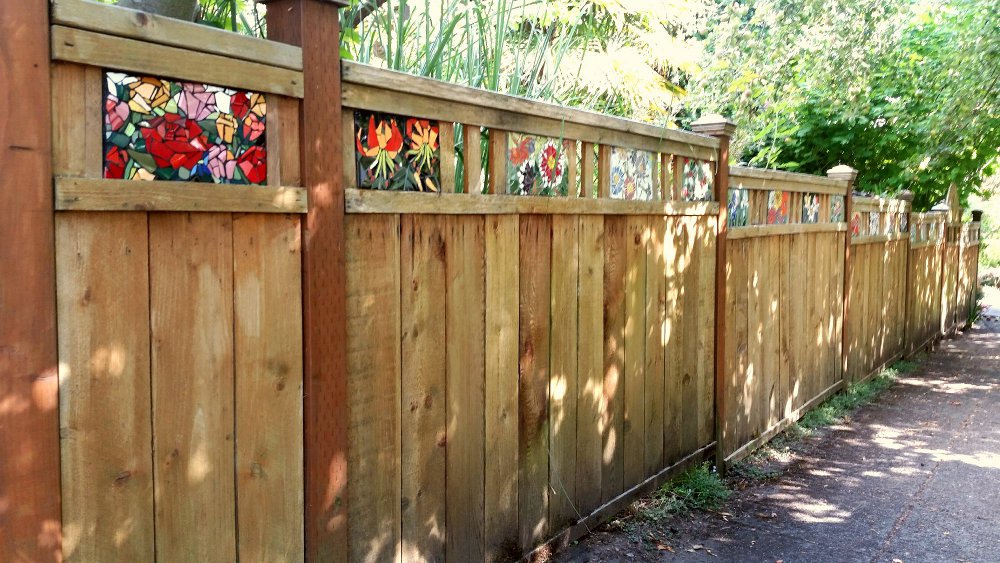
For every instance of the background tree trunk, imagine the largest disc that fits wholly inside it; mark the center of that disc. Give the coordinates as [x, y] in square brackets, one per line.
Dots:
[180, 9]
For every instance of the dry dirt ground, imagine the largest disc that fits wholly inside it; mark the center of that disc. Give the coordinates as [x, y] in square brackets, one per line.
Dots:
[912, 477]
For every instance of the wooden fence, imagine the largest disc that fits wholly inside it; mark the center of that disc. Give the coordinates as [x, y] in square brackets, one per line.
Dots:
[305, 309]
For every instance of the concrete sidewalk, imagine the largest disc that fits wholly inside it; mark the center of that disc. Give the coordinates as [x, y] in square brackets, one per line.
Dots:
[913, 477]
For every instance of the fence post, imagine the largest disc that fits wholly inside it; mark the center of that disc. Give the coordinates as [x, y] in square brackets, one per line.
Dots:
[722, 129]
[314, 25]
[848, 174]
[29, 417]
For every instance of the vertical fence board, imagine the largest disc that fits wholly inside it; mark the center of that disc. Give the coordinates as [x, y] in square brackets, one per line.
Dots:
[191, 303]
[423, 417]
[705, 327]
[533, 429]
[103, 309]
[635, 347]
[374, 364]
[501, 502]
[268, 352]
[466, 387]
[590, 364]
[654, 356]
[615, 272]
[675, 286]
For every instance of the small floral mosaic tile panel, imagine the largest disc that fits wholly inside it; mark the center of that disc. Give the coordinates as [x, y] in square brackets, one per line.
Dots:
[810, 208]
[156, 129]
[874, 220]
[696, 180]
[739, 207]
[536, 166]
[837, 209]
[631, 174]
[777, 207]
[395, 152]
[856, 224]
[904, 222]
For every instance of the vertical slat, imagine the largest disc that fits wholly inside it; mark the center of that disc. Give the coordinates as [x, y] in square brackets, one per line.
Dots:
[563, 382]
[737, 339]
[784, 336]
[772, 319]
[612, 420]
[706, 329]
[635, 349]
[466, 386]
[446, 142]
[666, 177]
[105, 426]
[690, 406]
[603, 171]
[654, 358]
[373, 368]
[283, 166]
[423, 417]
[675, 287]
[472, 177]
[268, 350]
[590, 360]
[752, 388]
[497, 181]
[191, 303]
[502, 245]
[569, 149]
[587, 165]
[533, 383]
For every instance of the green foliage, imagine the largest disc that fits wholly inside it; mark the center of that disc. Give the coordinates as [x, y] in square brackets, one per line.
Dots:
[698, 488]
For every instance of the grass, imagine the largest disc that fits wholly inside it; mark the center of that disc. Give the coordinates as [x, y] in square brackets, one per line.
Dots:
[698, 488]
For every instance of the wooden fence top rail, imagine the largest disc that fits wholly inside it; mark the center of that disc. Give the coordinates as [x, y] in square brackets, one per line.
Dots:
[755, 231]
[95, 194]
[368, 87]
[881, 204]
[133, 24]
[763, 179]
[869, 239]
[929, 217]
[375, 201]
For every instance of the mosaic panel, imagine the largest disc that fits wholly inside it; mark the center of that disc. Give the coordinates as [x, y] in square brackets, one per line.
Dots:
[157, 129]
[696, 180]
[394, 152]
[777, 207]
[536, 166]
[837, 209]
[913, 236]
[739, 207]
[631, 174]
[874, 221]
[856, 224]
[904, 222]
[810, 208]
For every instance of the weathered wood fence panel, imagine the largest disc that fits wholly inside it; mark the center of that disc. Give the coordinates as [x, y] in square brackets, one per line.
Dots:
[923, 308]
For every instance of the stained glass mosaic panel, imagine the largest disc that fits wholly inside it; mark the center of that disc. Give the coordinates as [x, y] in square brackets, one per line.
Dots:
[874, 221]
[536, 166]
[837, 209]
[739, 207]
[810, 208]
[856, 224]
[904, 222]
[631, 174]
[395, 152]
[696, 180]
[777, 207]
[156, 129]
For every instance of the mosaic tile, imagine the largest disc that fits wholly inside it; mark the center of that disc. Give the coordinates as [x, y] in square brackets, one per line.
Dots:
[856, 224]
[536, 166]
[810, 208]
[739, 207]
[631, 174]
[837, 209]
[157, 129]
[777, 207]
[904, 222]
[395, 152]
[696, 180]
[874, 221]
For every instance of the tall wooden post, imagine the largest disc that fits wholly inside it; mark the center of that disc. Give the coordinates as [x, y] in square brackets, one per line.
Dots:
[29, 413]
[848, 174]
[722, 129]
[314, 25]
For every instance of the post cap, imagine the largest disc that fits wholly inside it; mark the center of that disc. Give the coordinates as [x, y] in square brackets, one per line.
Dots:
[905, 195]
[714, 124]
[842, 172]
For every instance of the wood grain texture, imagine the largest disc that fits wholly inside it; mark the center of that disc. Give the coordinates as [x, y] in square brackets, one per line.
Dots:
[96, 49]
[675, 285]
[310, 24]
[424, 376]
[466, 319]
[654, 350]
[107, 473]
[191, 311]
[267, 285]
[563, 373]
[635, 351]
[501, 401]
[533, 382]
[29, 438]
[590, 365]
[612, 419]
[98, 194]
[472, 176]
[374, 372]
